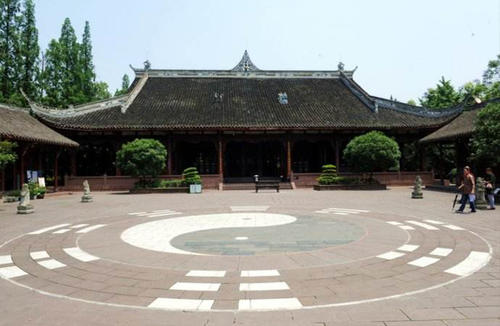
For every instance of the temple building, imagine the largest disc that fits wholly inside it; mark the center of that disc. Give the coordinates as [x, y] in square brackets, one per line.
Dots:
[233, 124]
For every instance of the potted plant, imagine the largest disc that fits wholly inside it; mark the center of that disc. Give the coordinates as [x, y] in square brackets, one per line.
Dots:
[193, 179]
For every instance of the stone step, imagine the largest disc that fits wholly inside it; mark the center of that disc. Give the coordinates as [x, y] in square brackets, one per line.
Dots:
[251, 186]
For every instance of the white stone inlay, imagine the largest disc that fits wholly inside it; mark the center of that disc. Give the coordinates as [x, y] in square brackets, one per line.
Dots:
[39, 255]
[260, 273]
[61, 231]
[11, 272]
[265, 286]
[394, 223]
[91, 228]
[423, 261]
[249, 208]
[341, 211]
[181, 304]
[157, 235]
[434, 222]
[4, 260]
[391, 255]
[51, 263]
[406, 227]
[408, 247]
[475, 261]
[443, 252]
[453, 227]
[200, 273]
[138, 213]
[79, 226]
[241, 238]
[269, 304]
[79, 254]
[50, 228]
[191, 286]
[423, 225]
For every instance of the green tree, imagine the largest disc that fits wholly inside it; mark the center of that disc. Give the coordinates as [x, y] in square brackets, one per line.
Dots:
[486, 139]
[372, 152]
[29, 50]
[441, 97]
[101, 91]
[125, 86]
[52, 76]
[70, 64]
[143, 158]
[7, 154]
[328, 175]
[411, 102]
[9, 48]
[87, 66]
[491, 79]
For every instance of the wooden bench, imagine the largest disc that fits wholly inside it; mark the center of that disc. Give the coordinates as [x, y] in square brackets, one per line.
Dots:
[267, 184]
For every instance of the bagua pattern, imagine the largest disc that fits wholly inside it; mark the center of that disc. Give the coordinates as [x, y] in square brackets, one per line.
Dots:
[341, 211]
[156, 213]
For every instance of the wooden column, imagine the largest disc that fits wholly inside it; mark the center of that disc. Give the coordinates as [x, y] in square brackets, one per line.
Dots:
[337, 154]
[56, 169]
[220, 149]
[24, 151]
[289, 159]
[3, 180]
[169, 155]
[73, 163]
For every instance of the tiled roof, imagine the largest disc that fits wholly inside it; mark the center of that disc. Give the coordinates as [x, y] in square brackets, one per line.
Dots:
[171, 103]
[17, 124]
[460, 127]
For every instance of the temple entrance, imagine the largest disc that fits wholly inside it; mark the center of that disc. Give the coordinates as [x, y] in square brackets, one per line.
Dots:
[243, 160]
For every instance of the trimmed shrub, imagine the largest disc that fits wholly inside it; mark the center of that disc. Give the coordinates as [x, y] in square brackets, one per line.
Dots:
[328, 175]
[143, 158]
[191, 176]
[372, 152]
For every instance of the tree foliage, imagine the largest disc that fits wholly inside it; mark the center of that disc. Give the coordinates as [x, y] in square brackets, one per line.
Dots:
[442, 97]
[29, 52]
[486, 140]
[69, 74]
[125, 86]
[7, 153]
[372, 152]
[9, 48]
[143, 158]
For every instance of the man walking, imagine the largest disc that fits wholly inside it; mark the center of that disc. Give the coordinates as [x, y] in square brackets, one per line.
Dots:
[468, 187]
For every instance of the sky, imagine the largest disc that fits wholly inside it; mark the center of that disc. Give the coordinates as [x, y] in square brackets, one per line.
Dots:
[401, 47]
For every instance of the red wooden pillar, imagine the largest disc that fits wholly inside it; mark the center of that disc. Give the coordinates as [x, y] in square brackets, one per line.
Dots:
[289, 159]
[220, 149]
[169, 156]
[56, 169]
[337, 154]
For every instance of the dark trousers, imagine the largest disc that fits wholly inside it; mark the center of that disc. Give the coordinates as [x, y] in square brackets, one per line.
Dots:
[464, 200]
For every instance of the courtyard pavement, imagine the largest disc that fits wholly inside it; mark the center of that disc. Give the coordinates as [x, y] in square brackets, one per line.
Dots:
[239, 258]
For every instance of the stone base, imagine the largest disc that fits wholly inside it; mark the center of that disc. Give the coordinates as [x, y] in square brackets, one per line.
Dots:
[25, 209]
[87, 199]
[417, 196]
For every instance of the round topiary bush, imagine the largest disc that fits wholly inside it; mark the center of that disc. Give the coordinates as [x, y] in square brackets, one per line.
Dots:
[143, 158]
[372, 152]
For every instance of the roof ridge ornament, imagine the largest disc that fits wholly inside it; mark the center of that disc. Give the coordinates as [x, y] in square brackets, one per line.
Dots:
[245, 64]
